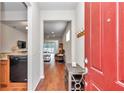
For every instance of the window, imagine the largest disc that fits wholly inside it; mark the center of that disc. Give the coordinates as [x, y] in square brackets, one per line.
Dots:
[50, 47]
[68, 35]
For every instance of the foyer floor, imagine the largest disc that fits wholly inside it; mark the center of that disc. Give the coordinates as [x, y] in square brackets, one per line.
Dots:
[54, 78]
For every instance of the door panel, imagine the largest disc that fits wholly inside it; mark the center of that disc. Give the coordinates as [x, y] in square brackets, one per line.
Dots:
[94, 87]
[105, 46]
[96, 67]
[95, 73]
[109, 39]
[95, 36]
[121, 43]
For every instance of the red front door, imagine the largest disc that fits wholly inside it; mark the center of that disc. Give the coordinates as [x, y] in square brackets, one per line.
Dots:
[104, 43]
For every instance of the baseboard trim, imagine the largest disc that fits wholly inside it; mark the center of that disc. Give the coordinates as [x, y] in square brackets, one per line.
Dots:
[34, 89]
[42, 77]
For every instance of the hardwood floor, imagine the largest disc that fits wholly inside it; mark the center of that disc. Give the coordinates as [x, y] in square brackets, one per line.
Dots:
[14, 87]
[54, 78]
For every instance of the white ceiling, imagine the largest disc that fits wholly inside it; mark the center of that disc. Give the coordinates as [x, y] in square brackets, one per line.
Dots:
[19, 25]
[58, 27]
[57, 5]
[13, 6]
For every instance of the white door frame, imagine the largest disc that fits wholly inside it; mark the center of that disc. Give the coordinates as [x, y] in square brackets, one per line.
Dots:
[29, 85]
[72, 41]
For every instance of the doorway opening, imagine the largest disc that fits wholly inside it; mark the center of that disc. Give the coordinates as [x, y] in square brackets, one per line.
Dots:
[13, 46]
[57, 41]
[57, 52]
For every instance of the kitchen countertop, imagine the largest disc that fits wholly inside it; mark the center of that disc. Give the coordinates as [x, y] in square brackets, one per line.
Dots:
[17, 54]
[4, 55]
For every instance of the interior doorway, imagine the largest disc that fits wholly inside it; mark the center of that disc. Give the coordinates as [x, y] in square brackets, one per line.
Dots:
[13, 46]
[57, 52]
[57, 41]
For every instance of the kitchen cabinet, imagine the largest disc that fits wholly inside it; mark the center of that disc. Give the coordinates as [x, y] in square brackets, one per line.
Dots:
[5, 76]
[4, 73]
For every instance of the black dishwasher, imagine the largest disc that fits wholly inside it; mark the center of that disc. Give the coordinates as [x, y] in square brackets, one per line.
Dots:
[18, 68]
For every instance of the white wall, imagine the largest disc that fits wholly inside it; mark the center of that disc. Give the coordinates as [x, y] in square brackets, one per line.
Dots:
[80, 41]
[34, 61]
[67, 45]
[10, 36]
[0, 28]
[0, 37]
[58, 39]
[59, 15]
[14, 15]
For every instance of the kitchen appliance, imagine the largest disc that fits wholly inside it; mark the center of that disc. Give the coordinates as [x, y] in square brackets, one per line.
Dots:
[18, 68]
[21, 44]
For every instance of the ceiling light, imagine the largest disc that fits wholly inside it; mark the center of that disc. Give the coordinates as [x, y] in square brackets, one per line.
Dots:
[26, 27]
[52, 32]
